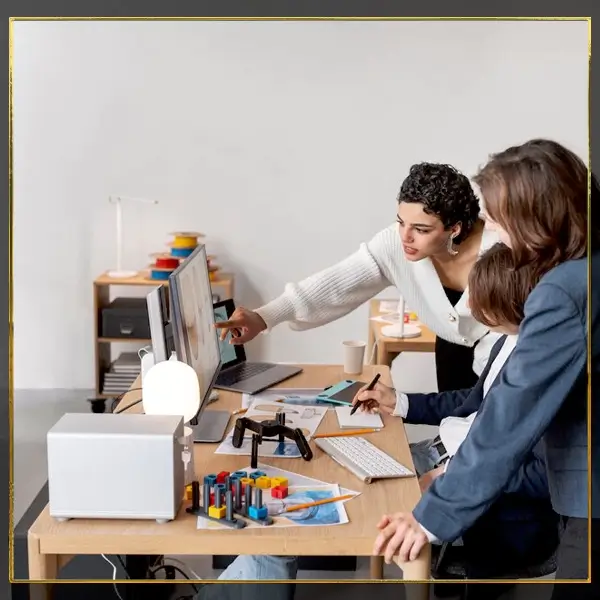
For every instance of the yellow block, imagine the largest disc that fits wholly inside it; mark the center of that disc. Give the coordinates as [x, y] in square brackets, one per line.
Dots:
[216, 513]
[247, 481]
[263, 482]
[188, 492]
[275, 481]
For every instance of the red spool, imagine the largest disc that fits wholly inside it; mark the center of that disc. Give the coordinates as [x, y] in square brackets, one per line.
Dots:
[166, 263]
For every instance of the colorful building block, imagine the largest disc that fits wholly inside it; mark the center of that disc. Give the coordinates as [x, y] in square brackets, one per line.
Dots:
[216, 513]
[280, 492]
[279, 481]
[188, 492]
[247, 481]
[240, 474]
[264, 483]
[221, 476]
[258, 513]
[257, 474]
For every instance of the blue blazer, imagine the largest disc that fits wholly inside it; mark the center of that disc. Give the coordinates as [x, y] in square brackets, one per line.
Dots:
[429, 409]
[540, 395]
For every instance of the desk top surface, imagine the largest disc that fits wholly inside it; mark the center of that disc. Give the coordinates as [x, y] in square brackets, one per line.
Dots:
[180, 536]
[424, 343]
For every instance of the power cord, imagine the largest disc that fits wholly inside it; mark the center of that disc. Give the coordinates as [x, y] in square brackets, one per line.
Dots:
[114, 575]
[183, 566]
[171, 569]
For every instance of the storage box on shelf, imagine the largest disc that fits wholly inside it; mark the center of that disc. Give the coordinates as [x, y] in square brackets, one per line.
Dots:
[119, 319]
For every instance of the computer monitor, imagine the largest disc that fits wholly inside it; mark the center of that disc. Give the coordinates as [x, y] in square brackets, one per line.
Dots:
[195, 338]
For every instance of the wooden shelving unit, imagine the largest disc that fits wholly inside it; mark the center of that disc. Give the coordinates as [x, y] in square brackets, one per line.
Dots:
[222, 284]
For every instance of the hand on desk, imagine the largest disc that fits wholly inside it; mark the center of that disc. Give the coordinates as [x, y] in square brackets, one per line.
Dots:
[381, 398]
[243, 324]
[401, 535]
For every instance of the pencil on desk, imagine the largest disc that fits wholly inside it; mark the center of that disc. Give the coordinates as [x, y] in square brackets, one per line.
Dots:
[345, 433]
[240, 411]
[318, 503]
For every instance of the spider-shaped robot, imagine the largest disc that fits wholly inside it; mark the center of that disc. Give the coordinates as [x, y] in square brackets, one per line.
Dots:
[269, 429]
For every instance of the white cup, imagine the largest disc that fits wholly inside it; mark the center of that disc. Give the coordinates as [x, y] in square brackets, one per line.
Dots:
[354, 356]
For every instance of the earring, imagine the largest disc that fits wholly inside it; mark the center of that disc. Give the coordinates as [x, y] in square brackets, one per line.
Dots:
[451, 249]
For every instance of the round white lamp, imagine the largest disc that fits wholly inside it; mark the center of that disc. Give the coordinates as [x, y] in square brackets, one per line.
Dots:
[171, 387]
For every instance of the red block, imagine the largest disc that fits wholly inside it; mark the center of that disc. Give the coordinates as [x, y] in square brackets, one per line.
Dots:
[280, 492]
[221, 476]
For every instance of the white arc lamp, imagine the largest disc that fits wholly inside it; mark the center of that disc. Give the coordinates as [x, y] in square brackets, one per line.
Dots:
[119, 272]
[171, 387]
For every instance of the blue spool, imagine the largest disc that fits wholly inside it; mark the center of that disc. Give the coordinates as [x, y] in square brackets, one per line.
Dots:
[181, 252]
[160, 275]
[210, 479]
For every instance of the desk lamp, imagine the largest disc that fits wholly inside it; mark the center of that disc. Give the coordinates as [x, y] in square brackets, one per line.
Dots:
[119, 272]
[401, 329]
[171, 387]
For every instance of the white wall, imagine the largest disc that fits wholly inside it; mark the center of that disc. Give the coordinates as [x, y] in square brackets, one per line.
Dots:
[285, 142]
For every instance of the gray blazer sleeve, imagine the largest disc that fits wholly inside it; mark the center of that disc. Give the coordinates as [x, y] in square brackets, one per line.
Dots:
[549, 357]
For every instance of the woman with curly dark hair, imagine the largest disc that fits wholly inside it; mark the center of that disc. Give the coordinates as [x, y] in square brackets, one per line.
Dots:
[427, 256]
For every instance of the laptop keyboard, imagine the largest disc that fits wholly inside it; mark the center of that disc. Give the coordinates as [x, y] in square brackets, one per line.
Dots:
[242, 372]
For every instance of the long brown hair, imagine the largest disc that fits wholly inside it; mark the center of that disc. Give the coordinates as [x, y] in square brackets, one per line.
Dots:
[498, 291]
[538, 193]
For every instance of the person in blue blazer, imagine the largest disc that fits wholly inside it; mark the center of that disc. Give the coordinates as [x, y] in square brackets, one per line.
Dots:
[520, 528]
[536, 198]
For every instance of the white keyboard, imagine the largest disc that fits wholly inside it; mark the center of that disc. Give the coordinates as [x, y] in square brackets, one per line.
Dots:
[362, 458]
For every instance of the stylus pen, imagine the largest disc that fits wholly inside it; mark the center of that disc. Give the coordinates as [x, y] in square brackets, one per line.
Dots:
[369, 389]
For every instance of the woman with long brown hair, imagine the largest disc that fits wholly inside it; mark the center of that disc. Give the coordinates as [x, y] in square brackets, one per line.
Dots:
[536, 198]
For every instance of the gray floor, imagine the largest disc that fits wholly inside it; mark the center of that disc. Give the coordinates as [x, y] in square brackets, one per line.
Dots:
[35, 411]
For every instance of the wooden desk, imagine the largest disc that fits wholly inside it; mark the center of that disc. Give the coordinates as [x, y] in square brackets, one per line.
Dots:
[50, 541]
[388, 348]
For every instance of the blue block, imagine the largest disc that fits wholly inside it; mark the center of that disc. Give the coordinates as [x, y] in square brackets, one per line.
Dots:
[222, 487]
[257, 474]
[210, 479]
[240, 474]
[258, 513]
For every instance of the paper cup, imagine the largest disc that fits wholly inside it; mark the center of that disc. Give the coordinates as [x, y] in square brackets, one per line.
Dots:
[354, 356]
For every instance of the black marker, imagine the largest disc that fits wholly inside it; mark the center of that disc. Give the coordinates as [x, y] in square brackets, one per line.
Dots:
[369, 388]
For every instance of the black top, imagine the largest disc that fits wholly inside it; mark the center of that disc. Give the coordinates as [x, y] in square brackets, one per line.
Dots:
[453, 362]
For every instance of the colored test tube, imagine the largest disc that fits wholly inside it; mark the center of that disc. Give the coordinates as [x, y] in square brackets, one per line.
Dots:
[195, 494]
[257, 497]
[238, 493]
[206, 499]
[248, 496]
[229, 505]
[210, 479]
[219, 490]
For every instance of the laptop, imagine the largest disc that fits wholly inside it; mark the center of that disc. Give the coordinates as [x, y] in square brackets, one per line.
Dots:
[239, 375]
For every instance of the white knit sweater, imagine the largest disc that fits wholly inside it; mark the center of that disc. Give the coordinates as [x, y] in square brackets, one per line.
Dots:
[341, 288]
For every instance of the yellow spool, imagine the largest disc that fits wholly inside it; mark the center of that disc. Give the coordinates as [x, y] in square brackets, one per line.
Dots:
[185, 239]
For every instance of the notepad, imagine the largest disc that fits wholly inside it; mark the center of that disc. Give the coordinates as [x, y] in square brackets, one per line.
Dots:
[359, 420]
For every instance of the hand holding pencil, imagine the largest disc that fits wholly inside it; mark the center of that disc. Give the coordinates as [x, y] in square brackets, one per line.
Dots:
[375, 397]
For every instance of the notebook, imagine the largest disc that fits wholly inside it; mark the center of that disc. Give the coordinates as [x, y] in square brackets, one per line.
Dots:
[359, 420]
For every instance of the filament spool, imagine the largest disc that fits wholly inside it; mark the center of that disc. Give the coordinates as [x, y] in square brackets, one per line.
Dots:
[185, 239]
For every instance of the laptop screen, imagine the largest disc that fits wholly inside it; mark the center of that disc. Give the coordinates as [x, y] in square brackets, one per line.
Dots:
[230, 354]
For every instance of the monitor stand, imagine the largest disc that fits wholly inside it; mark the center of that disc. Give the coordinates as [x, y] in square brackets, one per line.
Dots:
[211, 427]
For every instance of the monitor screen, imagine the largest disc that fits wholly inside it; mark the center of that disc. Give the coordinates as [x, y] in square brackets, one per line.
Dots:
[196, 339]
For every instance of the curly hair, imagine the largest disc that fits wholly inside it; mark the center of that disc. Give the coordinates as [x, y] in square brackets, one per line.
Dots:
[445, 193]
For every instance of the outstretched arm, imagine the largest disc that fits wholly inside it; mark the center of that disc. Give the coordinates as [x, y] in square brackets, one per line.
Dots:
[334, 292]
